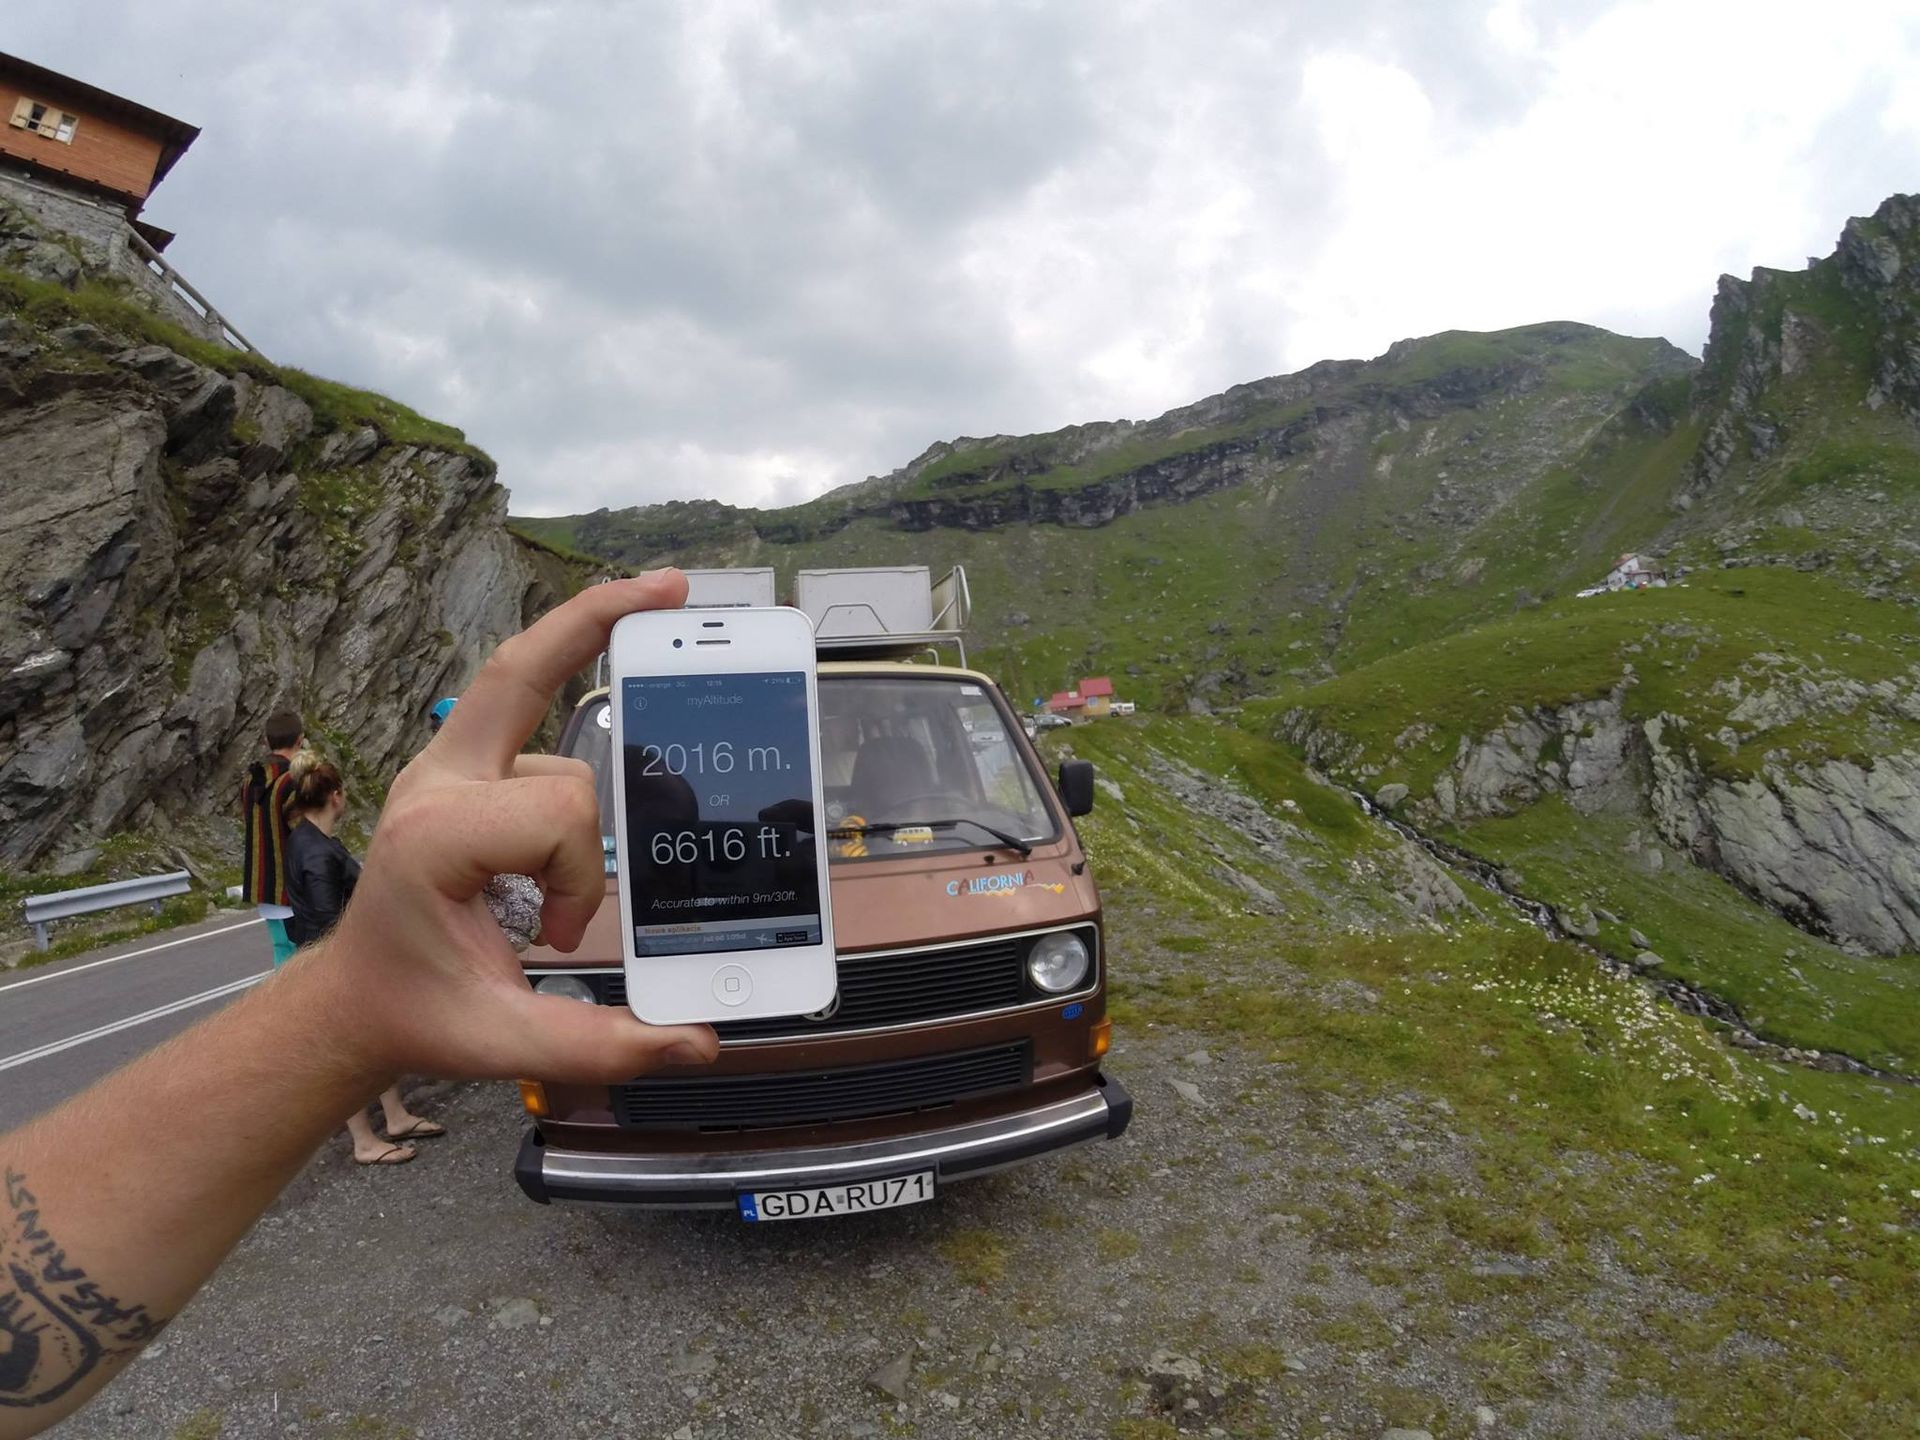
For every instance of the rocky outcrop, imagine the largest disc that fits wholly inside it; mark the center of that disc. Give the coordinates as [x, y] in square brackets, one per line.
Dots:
[1587, 750]
[1193, 473]
[1879, 262]
[1835, 846]
[1779, 326]
[184, 551]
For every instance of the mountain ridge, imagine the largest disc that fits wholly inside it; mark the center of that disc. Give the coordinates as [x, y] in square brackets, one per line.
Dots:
[1358, 507]
[943, 485]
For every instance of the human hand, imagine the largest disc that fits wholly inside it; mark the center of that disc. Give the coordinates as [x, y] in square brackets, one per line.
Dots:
[430, 984]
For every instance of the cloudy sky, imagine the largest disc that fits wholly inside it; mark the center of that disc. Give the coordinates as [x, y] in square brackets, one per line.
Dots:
[753, 249]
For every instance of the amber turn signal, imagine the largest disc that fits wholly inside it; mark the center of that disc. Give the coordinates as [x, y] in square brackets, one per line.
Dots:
[1099, 1038]
[533, 1095]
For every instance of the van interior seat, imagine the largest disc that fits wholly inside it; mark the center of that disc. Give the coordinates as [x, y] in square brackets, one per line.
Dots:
[890, 769]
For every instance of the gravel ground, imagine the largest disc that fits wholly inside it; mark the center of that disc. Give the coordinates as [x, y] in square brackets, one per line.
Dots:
[1201, 1275]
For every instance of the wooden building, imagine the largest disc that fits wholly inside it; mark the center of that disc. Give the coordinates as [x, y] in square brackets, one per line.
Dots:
[81, 138]
[1097, 692]
[82, 162]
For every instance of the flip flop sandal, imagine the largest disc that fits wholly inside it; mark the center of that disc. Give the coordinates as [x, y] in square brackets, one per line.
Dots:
[386, 1156]
[422, 1129]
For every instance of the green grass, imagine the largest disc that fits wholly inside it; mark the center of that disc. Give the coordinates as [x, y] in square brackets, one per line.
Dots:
[1542, 1058]
[986, 471]
[1709, 1180]
[1692, 652]
[1686, 645]
[1608, 1131]
[188, 909]
[978, 1256]
[123, 857]
[335, 406]
[1793, 988]
[1154, 843]
[1572, 358]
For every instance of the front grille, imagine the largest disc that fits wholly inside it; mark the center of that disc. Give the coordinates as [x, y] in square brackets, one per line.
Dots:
[897, 989]
[812, 1097]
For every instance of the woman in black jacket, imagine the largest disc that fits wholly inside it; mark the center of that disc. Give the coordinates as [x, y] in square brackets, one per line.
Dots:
[320, 880]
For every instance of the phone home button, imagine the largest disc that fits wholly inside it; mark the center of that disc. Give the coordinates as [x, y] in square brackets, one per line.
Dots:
[732, 985]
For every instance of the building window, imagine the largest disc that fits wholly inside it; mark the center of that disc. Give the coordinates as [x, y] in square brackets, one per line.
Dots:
[45, 120]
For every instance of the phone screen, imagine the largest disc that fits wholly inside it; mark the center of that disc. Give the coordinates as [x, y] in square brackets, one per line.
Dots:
[719, 813]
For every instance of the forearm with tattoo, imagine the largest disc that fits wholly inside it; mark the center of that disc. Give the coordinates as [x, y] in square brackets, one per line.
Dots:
[56, 1325]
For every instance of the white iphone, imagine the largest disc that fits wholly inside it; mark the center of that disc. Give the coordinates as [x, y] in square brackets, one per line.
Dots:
[716, 770]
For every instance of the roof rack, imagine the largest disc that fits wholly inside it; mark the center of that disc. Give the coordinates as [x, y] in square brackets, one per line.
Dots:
[873, 612]
[715, 589]
[885, 611]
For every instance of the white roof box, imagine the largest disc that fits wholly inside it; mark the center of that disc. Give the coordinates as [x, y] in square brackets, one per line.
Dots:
[883, 607]
[710, 588]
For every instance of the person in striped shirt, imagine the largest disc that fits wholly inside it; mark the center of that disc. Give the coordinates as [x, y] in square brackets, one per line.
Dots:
[265, 796]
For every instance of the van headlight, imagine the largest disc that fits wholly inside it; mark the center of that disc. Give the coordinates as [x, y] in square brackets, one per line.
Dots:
[567, 987]
[1058, 963]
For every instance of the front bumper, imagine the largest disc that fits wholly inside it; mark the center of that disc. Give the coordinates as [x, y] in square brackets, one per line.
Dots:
[690, 1182]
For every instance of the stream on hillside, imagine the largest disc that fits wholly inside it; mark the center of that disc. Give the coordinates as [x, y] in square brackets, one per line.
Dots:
[1690, 999]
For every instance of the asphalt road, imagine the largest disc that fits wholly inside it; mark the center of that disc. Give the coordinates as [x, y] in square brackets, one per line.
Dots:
[63, 1026]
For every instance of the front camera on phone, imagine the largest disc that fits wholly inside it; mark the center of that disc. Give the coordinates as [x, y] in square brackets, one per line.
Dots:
[678, 643]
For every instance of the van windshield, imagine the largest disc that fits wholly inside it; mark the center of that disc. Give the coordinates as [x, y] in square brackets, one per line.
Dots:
[893, 750]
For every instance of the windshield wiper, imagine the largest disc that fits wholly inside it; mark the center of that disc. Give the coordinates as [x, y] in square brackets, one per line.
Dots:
[887, 827]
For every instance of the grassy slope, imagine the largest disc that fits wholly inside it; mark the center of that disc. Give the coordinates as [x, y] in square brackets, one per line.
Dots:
[335, 406]
[1573, 359]
[1686, 647]
[1838, 474]
[1761, 1219]
[1790, 987]
[1306, 564]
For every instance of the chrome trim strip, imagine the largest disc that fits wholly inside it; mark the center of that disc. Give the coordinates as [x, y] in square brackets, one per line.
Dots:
[534, 973]
[643, 1173]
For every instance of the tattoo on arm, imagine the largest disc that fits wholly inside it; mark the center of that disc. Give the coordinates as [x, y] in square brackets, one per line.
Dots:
[56, 1325]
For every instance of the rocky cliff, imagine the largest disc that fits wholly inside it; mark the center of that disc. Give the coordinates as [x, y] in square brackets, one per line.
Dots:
[1812, 376]
[193, 539]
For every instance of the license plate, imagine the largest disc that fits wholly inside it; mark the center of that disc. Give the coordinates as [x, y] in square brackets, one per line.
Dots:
[837, 1199]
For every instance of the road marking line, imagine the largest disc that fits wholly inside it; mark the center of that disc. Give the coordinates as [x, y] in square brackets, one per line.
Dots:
[131, 954]
[232, 987]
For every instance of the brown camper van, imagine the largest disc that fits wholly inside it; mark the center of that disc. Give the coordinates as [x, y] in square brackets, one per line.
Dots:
[970, 1022]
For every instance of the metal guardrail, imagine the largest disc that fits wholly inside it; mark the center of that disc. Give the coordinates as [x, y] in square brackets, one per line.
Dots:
[43, 910]
[177, 282]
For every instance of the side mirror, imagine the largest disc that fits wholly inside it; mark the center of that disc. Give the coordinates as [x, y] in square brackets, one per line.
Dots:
[1076, 786]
